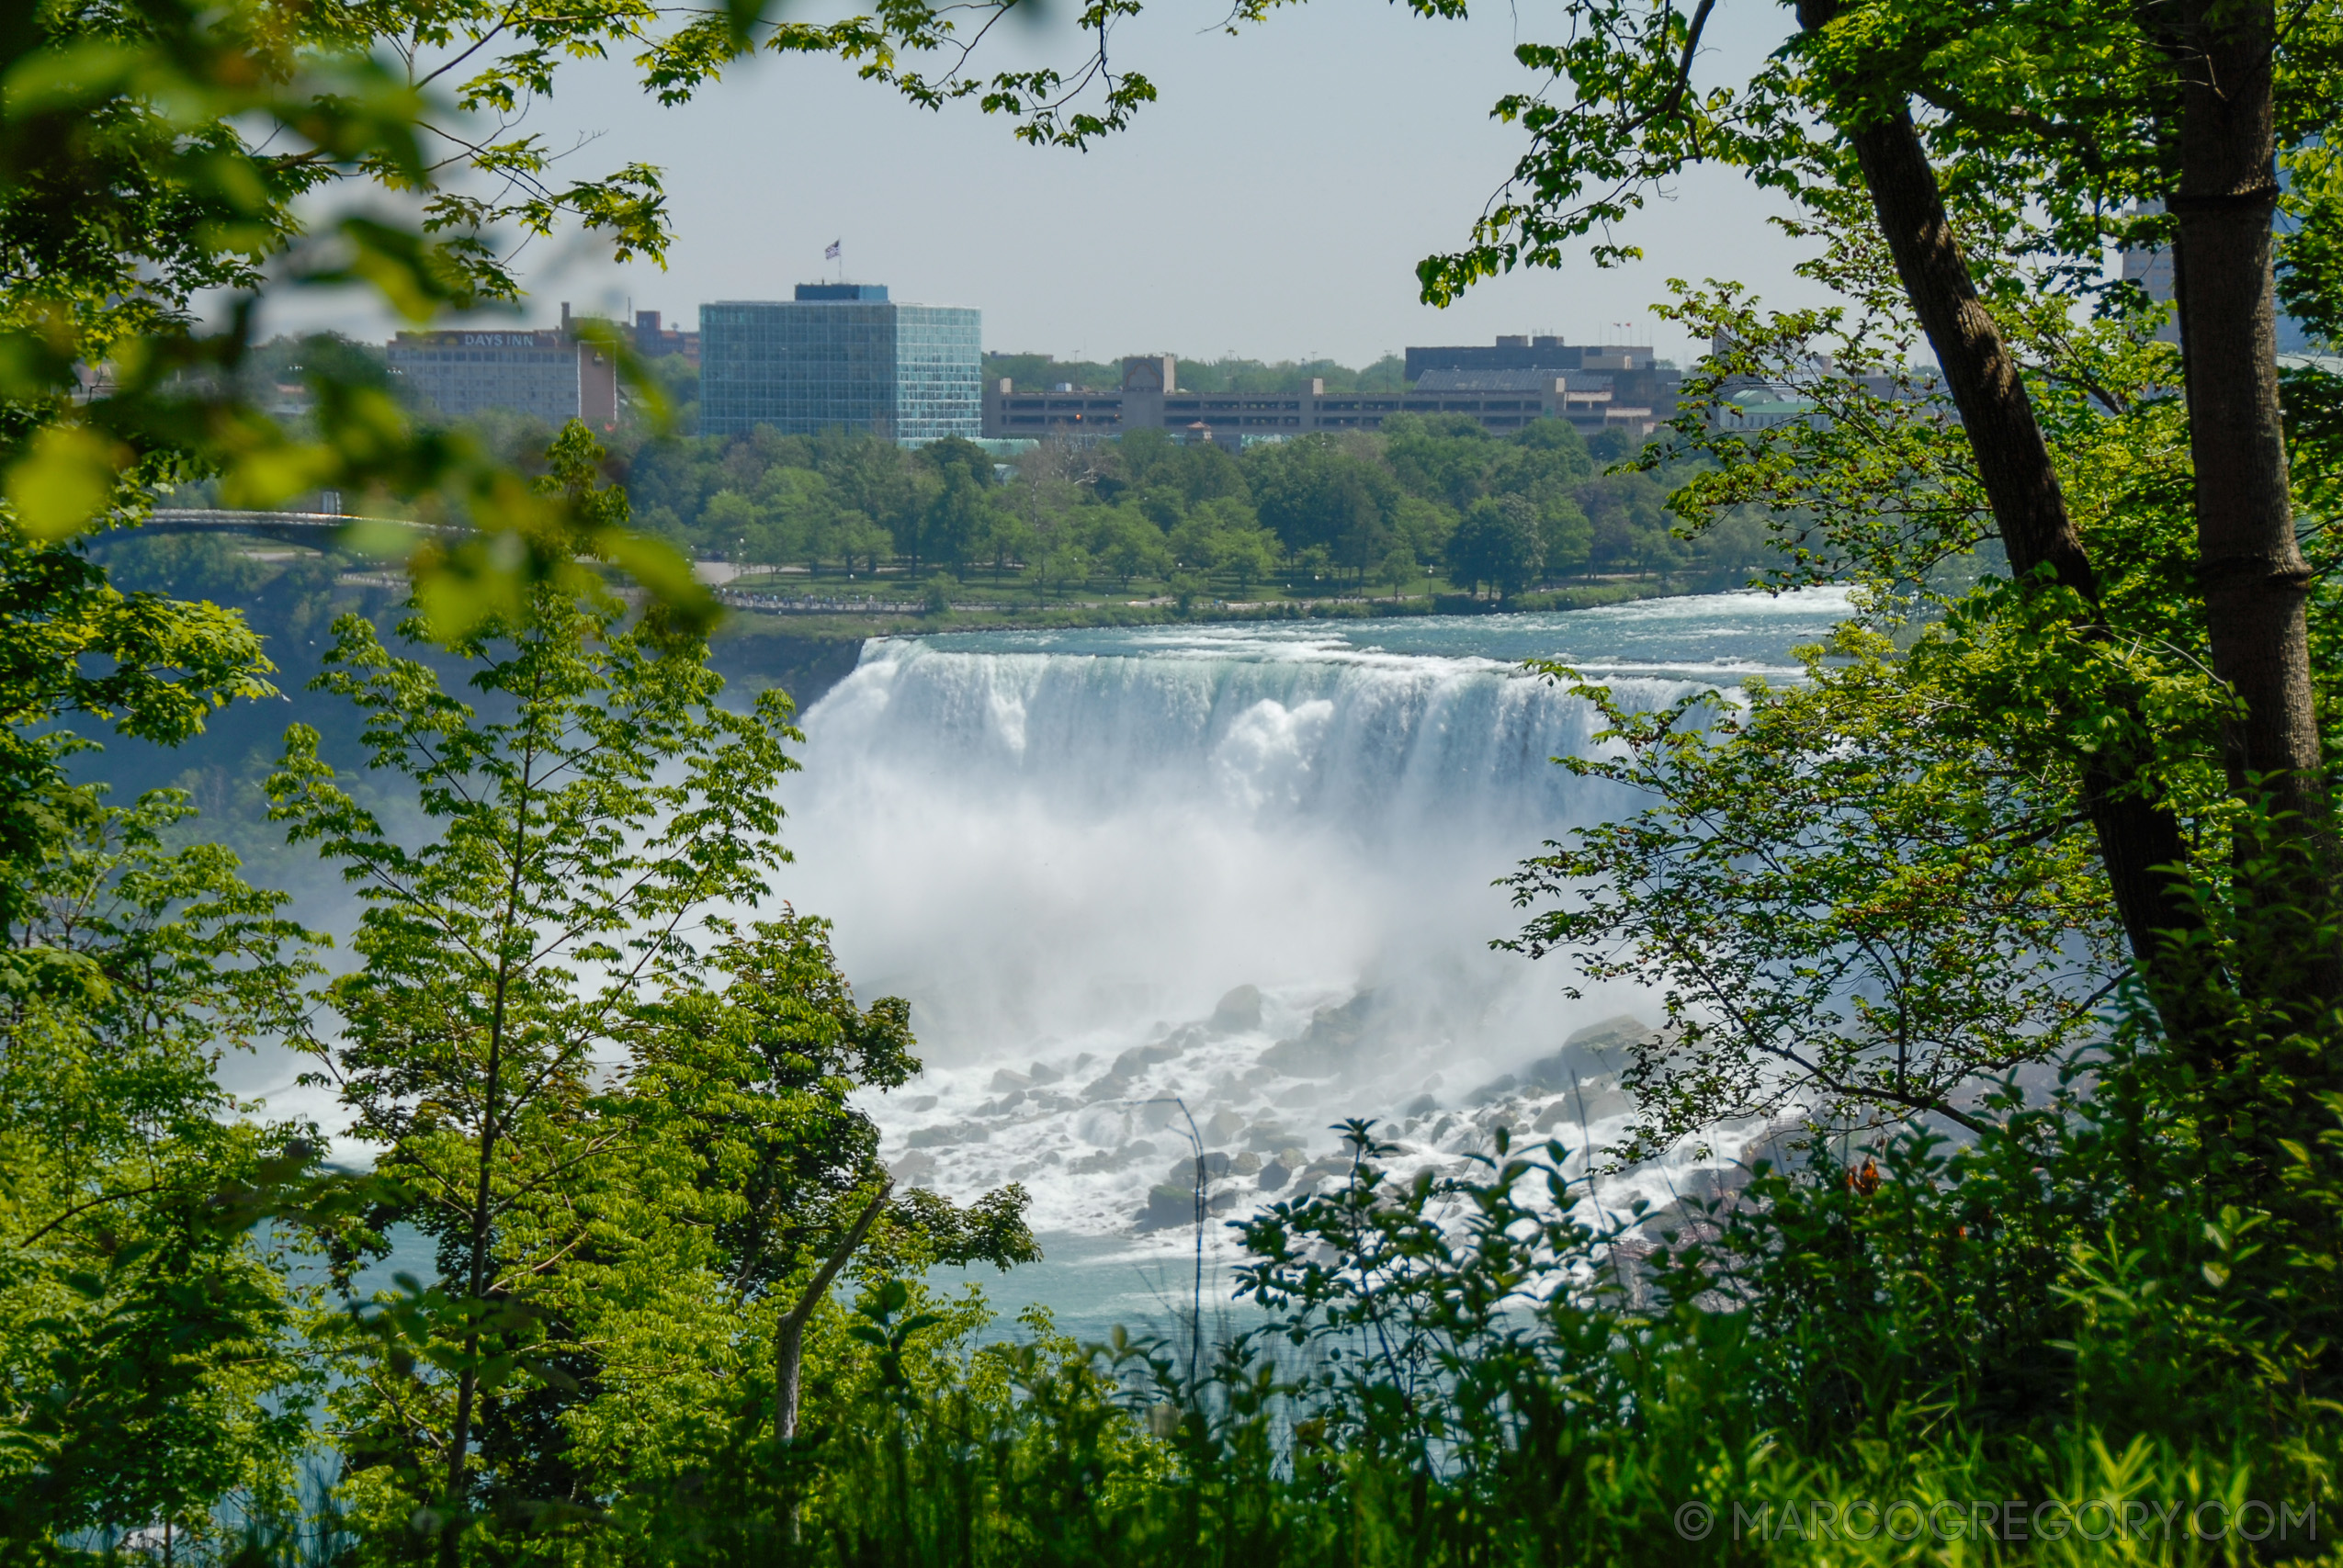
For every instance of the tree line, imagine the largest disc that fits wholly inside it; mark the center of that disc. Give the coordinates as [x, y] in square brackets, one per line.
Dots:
[1361, 511]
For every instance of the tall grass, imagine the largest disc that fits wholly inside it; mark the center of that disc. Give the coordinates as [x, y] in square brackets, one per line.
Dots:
[2039, 1348]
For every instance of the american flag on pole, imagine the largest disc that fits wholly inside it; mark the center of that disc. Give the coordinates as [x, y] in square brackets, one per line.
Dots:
[831, 250]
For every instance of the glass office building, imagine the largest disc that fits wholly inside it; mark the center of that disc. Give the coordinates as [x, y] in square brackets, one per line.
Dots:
[841, 356]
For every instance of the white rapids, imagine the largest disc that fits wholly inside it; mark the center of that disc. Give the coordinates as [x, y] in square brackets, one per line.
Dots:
[1237, 873]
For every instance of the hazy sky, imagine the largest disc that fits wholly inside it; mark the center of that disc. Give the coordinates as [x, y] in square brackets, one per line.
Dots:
[1272, 204]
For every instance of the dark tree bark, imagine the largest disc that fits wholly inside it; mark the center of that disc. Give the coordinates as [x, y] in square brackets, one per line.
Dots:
[2254, 581]
[2139, 838]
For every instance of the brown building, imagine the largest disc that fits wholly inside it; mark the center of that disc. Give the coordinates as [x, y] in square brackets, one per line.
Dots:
[655, 342]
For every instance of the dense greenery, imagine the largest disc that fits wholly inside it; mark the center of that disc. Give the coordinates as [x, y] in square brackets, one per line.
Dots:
[1371, 511]
[2042, 851]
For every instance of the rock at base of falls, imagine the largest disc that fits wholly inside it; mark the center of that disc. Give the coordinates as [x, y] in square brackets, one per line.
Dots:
[1169, 1204]
[1109, 1159]
[1779, 1144]
[1588, 1101]
[1236, 1013]
[1599, 1052]
[1222, 1126]
[1267, 1138]
[1274, 1177]
[1599, 1048]
[959, 1133]
[1215, 1166]
[1331, 1044]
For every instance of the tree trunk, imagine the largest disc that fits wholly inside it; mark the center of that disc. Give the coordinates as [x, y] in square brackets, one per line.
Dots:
[2139, 838]
[2254, 581]
[790, 1338]
[483, 1216]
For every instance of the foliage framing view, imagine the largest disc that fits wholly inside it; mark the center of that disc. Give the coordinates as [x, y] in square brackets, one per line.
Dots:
[2078, 818]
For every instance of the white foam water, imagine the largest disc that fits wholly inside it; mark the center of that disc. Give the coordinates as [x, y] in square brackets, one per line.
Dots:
[1067, 848]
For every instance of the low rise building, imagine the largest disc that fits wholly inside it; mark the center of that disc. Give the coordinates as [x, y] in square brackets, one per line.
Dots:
[655, 342]
[1605, 390]
[550, 374]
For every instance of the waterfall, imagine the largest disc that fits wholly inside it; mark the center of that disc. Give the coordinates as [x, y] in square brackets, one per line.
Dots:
[1111, 866]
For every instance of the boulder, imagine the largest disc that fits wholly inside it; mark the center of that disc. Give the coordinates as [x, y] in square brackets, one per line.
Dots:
[912, 1168]
[1043, 1073]
[1782, 1144]
[1423, 1105]
[949, 1132]
[1266, 1137]
[1109, 1159]
[1237, 1012]
[1599, 1048]
[1273, 1175]
[1168, 1205]
[1223, 1126]
[1244, 1165]
[1329, 1045]
[1599, 1051]
[1215, 1166]
[1590, 1101]
[1007, 1079]
[1711, 1183]
[1496, 1088]
[1111, 1086]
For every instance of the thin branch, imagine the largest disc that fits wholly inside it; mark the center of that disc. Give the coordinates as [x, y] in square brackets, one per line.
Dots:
[97, 1202]
[1675, 95]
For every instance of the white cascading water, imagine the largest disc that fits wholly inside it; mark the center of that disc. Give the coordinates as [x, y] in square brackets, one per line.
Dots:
[1068, 850]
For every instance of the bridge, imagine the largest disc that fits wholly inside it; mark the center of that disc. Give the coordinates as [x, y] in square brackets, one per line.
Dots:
[319, 529]
[316, 529]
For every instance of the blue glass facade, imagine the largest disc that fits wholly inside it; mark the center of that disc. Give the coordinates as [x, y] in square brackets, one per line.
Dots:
[841, 356]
